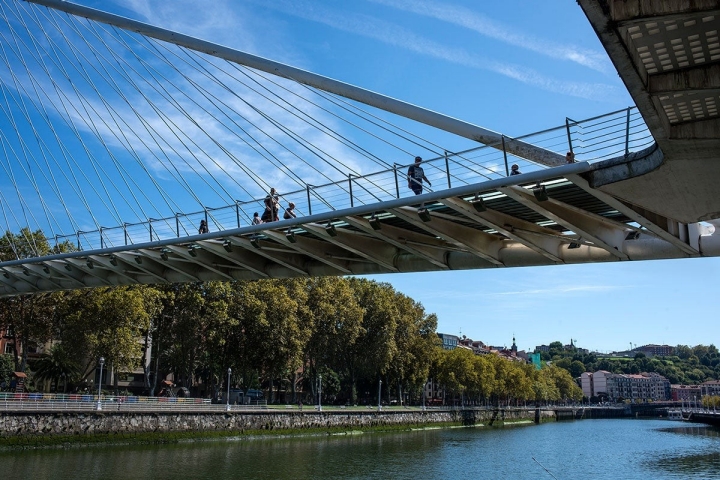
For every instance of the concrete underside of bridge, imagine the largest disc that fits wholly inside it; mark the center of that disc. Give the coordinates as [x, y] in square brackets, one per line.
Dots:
[668, 55]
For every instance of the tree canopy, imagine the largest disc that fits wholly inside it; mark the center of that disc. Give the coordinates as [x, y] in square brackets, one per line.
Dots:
[688, 365]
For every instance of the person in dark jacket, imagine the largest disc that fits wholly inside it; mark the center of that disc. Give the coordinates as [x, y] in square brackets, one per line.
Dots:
[415, 176]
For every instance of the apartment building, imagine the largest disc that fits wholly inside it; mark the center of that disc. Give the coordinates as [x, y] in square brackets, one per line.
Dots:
[449, 342]
[645, 387]
[684, 392]
[711, 387]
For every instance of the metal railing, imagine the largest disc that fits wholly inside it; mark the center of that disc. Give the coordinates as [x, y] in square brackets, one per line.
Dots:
[591, 140]
[38, 402]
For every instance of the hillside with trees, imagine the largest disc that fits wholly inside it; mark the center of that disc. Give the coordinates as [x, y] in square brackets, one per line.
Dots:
[688, 365]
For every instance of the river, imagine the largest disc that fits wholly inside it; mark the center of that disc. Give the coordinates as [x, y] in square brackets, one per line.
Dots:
[592, 449]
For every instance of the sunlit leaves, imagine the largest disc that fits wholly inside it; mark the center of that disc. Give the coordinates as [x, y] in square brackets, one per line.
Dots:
[108, 323]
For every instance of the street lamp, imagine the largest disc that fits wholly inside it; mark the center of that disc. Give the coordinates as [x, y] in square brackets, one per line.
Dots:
[319, 393]
[227, 405]
[423, 395]
[101, 361]
[379, 390]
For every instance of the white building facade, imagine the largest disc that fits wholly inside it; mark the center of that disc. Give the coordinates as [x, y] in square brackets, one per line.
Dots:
[644, 387]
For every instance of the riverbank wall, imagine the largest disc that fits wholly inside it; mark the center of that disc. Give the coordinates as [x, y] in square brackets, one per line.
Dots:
[30, 428]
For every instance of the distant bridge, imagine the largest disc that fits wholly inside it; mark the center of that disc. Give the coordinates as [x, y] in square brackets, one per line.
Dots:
[639, 190]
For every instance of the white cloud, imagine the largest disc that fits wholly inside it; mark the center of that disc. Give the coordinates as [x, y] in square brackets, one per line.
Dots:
[222, 23]
[555, 291]
[398, 36]
[121, 109]
[467, 18]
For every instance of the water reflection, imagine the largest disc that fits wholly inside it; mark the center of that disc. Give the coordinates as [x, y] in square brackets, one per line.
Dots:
[596, 449]
[703, 462]
[698, 430]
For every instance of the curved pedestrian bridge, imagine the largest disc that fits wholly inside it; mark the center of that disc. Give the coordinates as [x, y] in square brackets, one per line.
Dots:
[643, 184]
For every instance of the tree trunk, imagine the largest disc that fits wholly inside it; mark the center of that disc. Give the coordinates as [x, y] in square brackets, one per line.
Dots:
[147, 358]
[115, 379]
[23, 361]
[16, 355]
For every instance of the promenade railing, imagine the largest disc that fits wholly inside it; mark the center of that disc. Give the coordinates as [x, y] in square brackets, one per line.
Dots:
[10, 401]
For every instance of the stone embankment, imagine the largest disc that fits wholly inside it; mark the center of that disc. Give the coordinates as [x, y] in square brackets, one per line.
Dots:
[81, 426]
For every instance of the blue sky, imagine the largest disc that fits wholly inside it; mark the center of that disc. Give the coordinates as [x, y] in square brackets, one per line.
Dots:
[508, 68]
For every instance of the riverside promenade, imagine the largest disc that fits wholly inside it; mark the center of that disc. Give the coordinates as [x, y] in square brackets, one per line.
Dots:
[34, 420]
[30, 423]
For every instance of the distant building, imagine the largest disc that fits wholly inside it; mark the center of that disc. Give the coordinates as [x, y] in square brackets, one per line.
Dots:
[653, 350]
[434, 393]
[684, 392]
[478, 347]
[7, 342]
[587, 384]
[524, 356]
[449, 342]
[711, 387]
[542, 348]
[534, 358]
[645, 387]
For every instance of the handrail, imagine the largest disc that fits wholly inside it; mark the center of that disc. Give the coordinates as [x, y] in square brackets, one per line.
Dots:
[591, 140]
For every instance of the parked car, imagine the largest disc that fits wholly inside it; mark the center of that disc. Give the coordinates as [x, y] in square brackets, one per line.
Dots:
[254, 395]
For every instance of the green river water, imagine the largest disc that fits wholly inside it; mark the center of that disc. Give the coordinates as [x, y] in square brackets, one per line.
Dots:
[592, 449]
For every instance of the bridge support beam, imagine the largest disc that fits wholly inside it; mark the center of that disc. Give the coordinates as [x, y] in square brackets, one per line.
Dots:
[312, 248]
[242, 259]
[542, 240]
[424, 246]
[270, 251]
[364, 246]
[601, 231]
[482, 244]
[652, 227]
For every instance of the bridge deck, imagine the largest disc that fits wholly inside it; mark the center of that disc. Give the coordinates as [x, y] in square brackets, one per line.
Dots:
[500, 223]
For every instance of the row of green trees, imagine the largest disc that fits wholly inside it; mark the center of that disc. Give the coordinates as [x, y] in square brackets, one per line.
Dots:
[273, 332]
[349, 332]
[480, 378]
[688, 365]
[81, 326]
[711, 402]
[280, 334]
